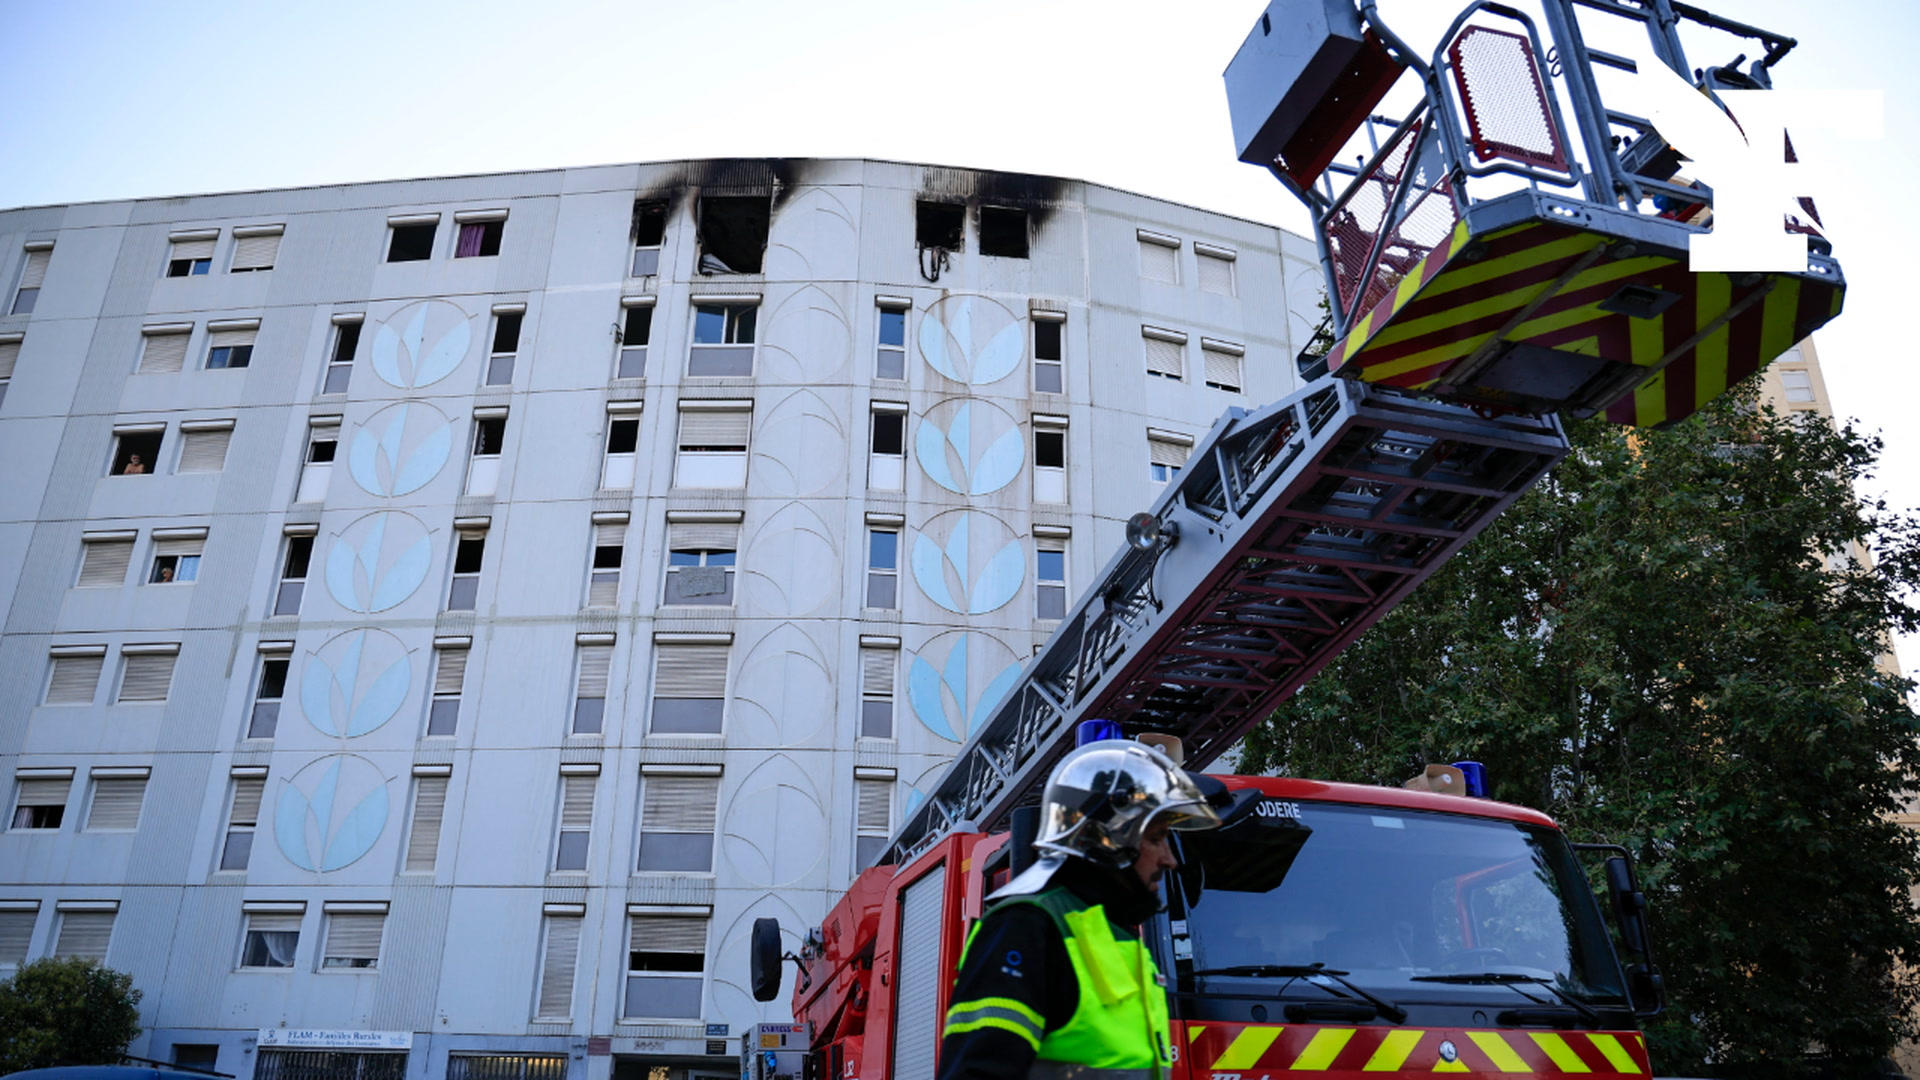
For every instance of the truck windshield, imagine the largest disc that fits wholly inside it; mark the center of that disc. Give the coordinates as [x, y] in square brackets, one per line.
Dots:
[1388, 896]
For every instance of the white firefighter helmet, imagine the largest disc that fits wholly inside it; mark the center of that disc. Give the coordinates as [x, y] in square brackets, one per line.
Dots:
[1102, 797]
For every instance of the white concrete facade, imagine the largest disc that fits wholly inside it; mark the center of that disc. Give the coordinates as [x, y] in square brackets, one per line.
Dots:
[746, 709]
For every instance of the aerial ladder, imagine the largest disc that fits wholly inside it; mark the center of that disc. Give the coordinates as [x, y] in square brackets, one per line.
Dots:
[1495, 259]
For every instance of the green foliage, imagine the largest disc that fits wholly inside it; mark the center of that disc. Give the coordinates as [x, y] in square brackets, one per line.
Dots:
[1655, 647]
[66, 1012]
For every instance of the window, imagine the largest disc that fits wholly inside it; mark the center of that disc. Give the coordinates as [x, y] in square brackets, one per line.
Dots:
[449, 682]
[1166, 352]
[136, 449]
[146, 673]
[489, 435]
[104, 559]
[9, 356]
[636, 331]
[1003, 232]
[890, 350]
[479, 235]
[883, 568]
[733, 232]
[1165, 457]
[202, 1056]
[623, 444]
[713, 445]
[1049, 365]
[576, 820]
[678, 813]
[346, 342]
[272, 937]
[506, 343]
[666, 962]
[609, 547]
[1050, 583]
[294, 565]
[429, 808]
[176, 556]
[323, 438]
[559, 954]
[469, 550]
[412, 237]
[649, 234]
[887, 459]
[592, 664]
[1798, 385]
[269, 689]
[1159, 257]
[85, 931]
[40, 802]
[32, 273]
[722, 339]
[939, 225]
[872, 819]
[255, 247]
[17, 918]
[203, 446]
[1221, 362]
[507, 1066]
[352, 941]
[1049, 458]
[163, 349]
[190, 254]
[230, 344]
[701, 555]
[117, 795]
[76, 674]
[689, 686]
[1216, 269]
[243, 816]
[878, 671]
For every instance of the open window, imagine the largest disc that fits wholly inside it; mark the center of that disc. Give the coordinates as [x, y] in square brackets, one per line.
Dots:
[939, 225]
[1003, 232]
[609, 551]
[506, 343]
[636, 332]
[411, 237]
[190, 254]
[489, 436]
[702, 550]
[1049, 458]
[346, 342]
[480, 233]
[887, 446]
[176, 556]
[623, 444]
[649, 235]
[316, 474]
[1049, 352]
[469, 554]
[136, 448]
[733, 233]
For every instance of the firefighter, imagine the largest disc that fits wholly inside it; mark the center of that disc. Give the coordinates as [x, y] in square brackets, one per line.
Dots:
[1054, 979]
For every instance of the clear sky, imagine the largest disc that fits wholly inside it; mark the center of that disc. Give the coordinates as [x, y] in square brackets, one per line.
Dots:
[111, 99]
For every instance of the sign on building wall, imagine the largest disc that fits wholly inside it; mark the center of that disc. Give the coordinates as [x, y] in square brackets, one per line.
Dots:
[337, 1040]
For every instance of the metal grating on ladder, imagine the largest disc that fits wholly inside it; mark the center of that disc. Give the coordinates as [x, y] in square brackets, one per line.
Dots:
[1299, 525]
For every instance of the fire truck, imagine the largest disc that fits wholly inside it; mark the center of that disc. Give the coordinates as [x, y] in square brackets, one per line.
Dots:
[1506, 251]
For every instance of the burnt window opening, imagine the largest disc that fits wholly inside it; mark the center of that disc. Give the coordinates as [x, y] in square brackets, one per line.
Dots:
[649, 223]
[733, 233]
[411, 243]
[939, 225]
[1003, 232]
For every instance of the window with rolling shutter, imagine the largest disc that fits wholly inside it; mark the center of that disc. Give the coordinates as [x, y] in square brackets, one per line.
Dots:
[75, 679]
[714, 430]
[1165, 459]
[603, 579]
[666, 964]
[271, 939]
[268, 691]
[1222, 366]
[84, 934]
[32, 273]
[163, 352]
[103, 562]
[256, 248]
[560, 957]
[40, 803]
[423, 836]
[689, 689]
[677, 820]
[712, 448]
[116, 802]
[1216, 270]
[590, 688]
[701, 556]
[205, 450]
[449, 679]
[576, 822]
[176, 559]
[1159, 258]
[230, 348]
[872, 820]
[191, 254]
[146, 677]
[877, 674]
[243, 816]
[9, 356]
[1166, 354]
[16, 935]
[352, 940]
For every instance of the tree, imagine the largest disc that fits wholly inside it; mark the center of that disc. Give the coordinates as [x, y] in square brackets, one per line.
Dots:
[1665, 645]
[66, 1012]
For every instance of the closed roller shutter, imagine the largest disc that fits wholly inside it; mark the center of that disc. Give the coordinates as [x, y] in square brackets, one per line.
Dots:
[1162, 452]
[423, 841]
[916, 1032]
[176, 548]
[1216, 274]
[703, 536]
[204, 451]
[147, 677]
[255, 250]
[684, 804]
[576, 803]
[247, 792]
[1159, 262]
[36, 269]
[1165, 357]
[595, 661]
[104, 564]
[556, 968]
[876, 672]
[43, 793]
[116, 803]
[873, 806]
[84, 934]
[715, 430]
[353, 939]
[16, 933]
[669, 934]
[1223, 368]
[691, 671]
[451, 673]
[75, 678]
[163, 353]
[611, 535]
[9, 356]
[230, 339]
[192, 249]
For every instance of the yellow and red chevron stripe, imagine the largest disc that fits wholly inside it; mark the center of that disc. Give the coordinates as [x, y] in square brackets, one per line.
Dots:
[1467, 289]
[1254, 1051]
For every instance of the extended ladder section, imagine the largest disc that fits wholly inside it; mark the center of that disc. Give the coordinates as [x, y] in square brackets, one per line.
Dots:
[1292, 529]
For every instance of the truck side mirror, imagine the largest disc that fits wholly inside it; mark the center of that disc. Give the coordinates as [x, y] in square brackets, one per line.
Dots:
[1629, 904]
[764, 958]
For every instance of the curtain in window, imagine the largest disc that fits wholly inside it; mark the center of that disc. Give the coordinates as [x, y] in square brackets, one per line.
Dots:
[470, 238]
